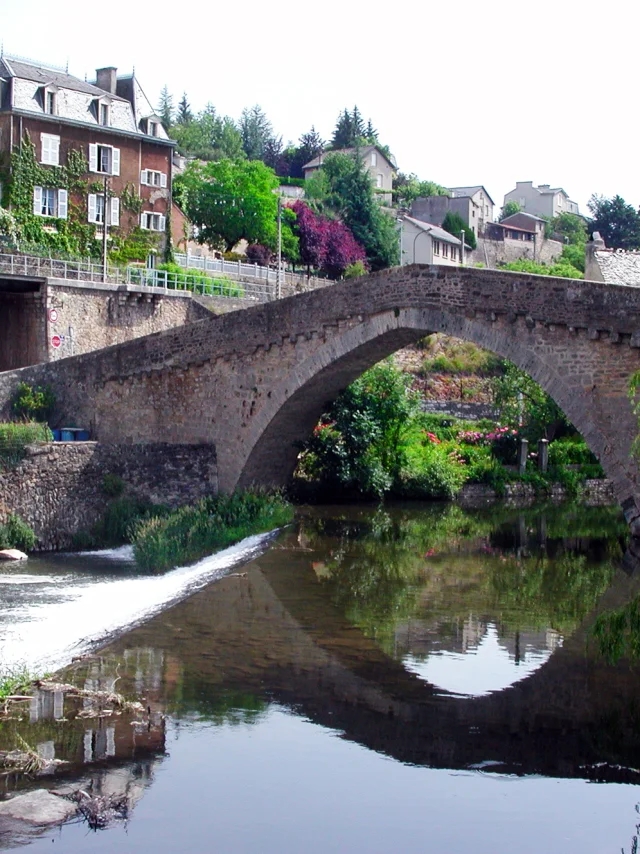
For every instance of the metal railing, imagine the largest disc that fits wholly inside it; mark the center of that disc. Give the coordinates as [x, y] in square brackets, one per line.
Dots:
[33, 266]
[243, 270]
[235, 280]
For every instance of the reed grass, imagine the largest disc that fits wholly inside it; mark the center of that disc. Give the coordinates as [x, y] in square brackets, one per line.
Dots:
[14, 438]
[192, 532]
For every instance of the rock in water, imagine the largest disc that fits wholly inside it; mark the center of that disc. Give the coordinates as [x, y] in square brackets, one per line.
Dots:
[12, 554]
[39, 808]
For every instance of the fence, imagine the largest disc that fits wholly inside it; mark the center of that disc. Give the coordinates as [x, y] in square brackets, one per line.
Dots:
[243, 270]
[245, 281]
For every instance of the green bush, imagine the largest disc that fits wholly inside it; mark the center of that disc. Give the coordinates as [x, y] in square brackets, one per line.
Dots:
[439, 473]
[190, 533]
[454, 356]
[355, 270]
[14, 438]
[16, 534]
[33, 402]
[571, 450]
[112, 485]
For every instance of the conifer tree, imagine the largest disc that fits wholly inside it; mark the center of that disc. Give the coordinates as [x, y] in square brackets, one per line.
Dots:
[165, 107]
[185, 116]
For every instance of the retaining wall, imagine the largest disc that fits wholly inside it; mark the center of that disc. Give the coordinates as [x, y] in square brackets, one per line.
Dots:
[58, 488]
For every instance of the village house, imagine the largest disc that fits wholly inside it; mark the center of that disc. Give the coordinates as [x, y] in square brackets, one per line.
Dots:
[473, 204]
[107, 130]
[543, 201]
[381, 169]
[613, 266]
[426, 243]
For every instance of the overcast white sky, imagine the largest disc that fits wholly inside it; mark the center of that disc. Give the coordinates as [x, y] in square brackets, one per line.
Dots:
[463, 93]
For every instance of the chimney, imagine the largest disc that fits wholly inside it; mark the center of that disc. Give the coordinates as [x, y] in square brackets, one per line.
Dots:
[106, 79]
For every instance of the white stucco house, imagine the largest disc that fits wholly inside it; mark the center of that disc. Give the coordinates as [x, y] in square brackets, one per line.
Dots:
[425, 243]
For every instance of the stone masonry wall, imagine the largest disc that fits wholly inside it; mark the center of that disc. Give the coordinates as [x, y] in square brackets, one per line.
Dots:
[96, 316]
[57, 488]
[491, 253]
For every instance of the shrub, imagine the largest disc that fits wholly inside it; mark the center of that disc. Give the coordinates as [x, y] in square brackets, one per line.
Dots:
[16, 534]
[259, 254]
[355, 270]
[440, 473]
[454, 356]
[112, 485]
[33, 402]
[14, 439]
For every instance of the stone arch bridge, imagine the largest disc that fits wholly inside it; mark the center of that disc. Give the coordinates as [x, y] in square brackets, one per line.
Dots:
[253, 382]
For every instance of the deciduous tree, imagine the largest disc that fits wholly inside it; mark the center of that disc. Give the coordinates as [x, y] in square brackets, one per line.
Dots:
[617, 222]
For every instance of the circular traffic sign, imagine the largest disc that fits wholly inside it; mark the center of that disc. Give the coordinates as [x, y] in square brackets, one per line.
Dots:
[56, 340]
[53, 315]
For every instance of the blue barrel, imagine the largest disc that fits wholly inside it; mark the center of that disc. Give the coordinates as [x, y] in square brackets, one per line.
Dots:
[66, 435]
[56, 435]
[82, 436]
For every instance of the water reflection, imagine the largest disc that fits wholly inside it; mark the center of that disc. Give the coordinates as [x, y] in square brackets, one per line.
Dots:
[438, 638]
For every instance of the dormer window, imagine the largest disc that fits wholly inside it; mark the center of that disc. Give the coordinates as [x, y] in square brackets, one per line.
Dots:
[152, 127]
[50, 105]
[102, 111]
[104, 115]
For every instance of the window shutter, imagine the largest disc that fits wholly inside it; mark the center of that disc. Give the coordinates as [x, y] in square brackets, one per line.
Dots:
[63, 204]
[163, 179]
[93, 157]
[115, 211]
[92, 207]
[143, 220]
[44, 158]
[162, 222]
[55, 150]
[37, 200]
[115, 161]
[143, 177]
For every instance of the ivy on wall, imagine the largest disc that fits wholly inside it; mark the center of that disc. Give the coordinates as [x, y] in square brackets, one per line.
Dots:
[74, 234]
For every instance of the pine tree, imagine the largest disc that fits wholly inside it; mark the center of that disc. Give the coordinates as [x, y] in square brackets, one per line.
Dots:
[165, 107]
[371, 134]
[256, 131]
[343, 132]
[185, 116]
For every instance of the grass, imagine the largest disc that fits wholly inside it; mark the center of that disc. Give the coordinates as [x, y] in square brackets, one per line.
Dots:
[16, 534]
[15, 680]
[192, 532]
[447, 355]
[14, 438]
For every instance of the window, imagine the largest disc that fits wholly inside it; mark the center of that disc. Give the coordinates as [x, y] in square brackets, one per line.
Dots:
[151, 178]
[436, 247]
[104, 114]
[152, 221]
[50, 103]
[374, 158]
[104, 159]
[445, 250]
[379, 179]
[152, 128]
[50, 149]
[50, 202]
[95, 206]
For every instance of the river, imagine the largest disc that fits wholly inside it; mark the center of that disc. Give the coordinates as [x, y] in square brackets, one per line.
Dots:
[408, 678]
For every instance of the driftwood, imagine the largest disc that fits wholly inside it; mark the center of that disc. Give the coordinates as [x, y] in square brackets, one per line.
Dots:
[100, 810]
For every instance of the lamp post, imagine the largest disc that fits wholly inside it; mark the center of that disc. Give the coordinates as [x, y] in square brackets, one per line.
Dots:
[279, 271]
[104, 230]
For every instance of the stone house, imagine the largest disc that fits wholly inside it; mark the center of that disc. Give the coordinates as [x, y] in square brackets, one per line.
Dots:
[543, 201]
[426, 243]
[86, 136]
[473, 204]
[379, 166]
[480, 206]
[526, 222]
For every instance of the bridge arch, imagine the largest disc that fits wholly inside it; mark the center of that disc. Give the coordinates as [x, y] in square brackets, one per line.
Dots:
[298, 400]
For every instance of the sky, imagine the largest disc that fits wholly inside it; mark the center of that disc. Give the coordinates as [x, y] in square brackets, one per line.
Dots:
[463, 93]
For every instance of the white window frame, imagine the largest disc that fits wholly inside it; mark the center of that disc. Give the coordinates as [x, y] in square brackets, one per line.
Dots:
[104, 110]
[95, 208]
[436, 247]
[152, 221]
[374, 158]
[60, 207]
[50, 145]
[94, 159]
[115, 211]
[152, 127]
[51, 94]
[153, 178]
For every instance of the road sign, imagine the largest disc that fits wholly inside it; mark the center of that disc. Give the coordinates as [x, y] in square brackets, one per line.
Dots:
[53, 315]
[56, 341]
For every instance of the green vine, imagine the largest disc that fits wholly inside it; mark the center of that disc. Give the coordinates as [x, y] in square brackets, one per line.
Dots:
[72, 235]
[131, 200]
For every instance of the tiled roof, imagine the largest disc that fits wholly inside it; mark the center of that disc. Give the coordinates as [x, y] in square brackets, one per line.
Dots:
[619, 267]
[43, 75]
[366, 149]
[433, 230]
[468, 191]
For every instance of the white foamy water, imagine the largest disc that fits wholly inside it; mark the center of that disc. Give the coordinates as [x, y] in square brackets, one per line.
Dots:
[68, 616]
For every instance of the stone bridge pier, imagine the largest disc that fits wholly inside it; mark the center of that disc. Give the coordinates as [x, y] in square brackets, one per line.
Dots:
[254, 382]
